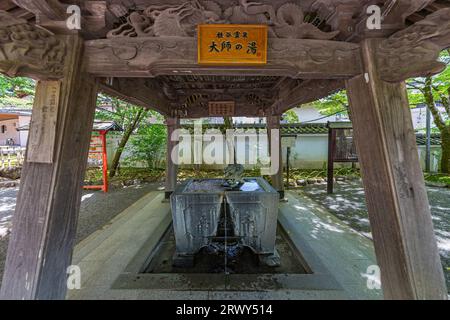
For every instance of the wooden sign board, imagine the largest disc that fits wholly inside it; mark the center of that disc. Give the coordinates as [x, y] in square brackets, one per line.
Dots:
[95, 155]
[232, 44]
[221, 108]
[41, 141]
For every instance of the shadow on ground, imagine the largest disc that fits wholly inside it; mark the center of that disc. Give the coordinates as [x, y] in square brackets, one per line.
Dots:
[348, 204]
[96, 211]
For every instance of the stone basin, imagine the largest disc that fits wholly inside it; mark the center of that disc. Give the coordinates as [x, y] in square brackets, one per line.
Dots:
[206, 213]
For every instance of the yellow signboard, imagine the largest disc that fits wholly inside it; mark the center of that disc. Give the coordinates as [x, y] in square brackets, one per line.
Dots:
[231, 44]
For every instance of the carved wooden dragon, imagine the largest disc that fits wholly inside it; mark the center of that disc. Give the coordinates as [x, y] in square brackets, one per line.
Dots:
[181, 20]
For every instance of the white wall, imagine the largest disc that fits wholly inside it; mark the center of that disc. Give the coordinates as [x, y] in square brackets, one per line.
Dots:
[24, 120]
[310, 114]
[11, 132]
[310, 152]
[419, 116]
[435, 157]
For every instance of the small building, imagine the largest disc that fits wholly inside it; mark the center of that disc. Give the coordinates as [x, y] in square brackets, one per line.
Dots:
[10, 122]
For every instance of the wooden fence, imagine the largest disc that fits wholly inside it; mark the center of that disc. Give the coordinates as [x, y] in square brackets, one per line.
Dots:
[11, 156]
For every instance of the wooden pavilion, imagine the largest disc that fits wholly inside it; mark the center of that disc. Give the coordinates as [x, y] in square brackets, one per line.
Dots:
[145, 51]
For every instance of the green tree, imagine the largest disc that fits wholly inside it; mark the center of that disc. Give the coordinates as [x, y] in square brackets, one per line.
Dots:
[14, 90]
[126, 115]
[149, 144]
[333, 104]
[291, 117]
[430, 91]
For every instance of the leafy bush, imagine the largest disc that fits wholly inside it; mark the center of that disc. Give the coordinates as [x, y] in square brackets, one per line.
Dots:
[149, 145]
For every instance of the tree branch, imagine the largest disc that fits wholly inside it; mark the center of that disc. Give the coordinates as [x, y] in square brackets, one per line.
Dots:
[445, 99]
[429, 100]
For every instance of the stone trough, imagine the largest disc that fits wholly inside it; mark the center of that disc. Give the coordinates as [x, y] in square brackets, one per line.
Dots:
[211, 217]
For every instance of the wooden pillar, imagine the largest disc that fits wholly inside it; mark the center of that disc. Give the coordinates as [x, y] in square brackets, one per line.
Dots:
[273, 123]
[45, 219]
[171, 167]
[396, 196]
[330, 165]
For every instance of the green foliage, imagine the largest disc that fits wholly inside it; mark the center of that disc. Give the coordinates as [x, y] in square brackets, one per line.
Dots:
[440, 84]
[334, 103]
[149, 144]
[291, 117]
[126, 176]
[16, 92]
[147, 139]
[439, 178]
[113, 109]
[299, 174]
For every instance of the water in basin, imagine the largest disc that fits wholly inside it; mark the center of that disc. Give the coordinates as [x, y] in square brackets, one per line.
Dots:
[216, 185]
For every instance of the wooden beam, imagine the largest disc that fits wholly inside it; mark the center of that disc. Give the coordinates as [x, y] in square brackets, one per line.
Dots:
[242, 109]
[51, 9]
[286, 95]
[414, 52]
[146, 93]
[394, 14]
[151, 57]
[294, 94]
[396, 196]
[212, 84]
[196, 106]
[274, 138]
[45, 219]
[7, 5]
[230, 91]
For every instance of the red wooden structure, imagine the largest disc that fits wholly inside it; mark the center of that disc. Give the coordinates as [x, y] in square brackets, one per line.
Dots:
[98, 153]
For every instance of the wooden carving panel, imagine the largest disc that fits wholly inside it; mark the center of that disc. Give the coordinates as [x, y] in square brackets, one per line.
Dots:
[29, 50]
[414, 52]
[284, 20]
[41, 141]
[221, 108]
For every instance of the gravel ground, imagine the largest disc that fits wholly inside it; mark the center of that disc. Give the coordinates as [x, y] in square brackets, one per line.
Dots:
[348, 203]
[97, 209]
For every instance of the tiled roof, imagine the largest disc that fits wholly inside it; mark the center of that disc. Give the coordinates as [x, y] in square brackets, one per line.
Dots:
[98, 126]
[421, 139]
[17, 112]
[310, 128]
[106, 125]
[286, 129]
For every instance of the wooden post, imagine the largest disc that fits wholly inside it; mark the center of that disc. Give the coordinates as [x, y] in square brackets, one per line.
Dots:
[171, 167]
[45, 219]
[273, 123]
[104, 161]
[330, 166]
[396, 196]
